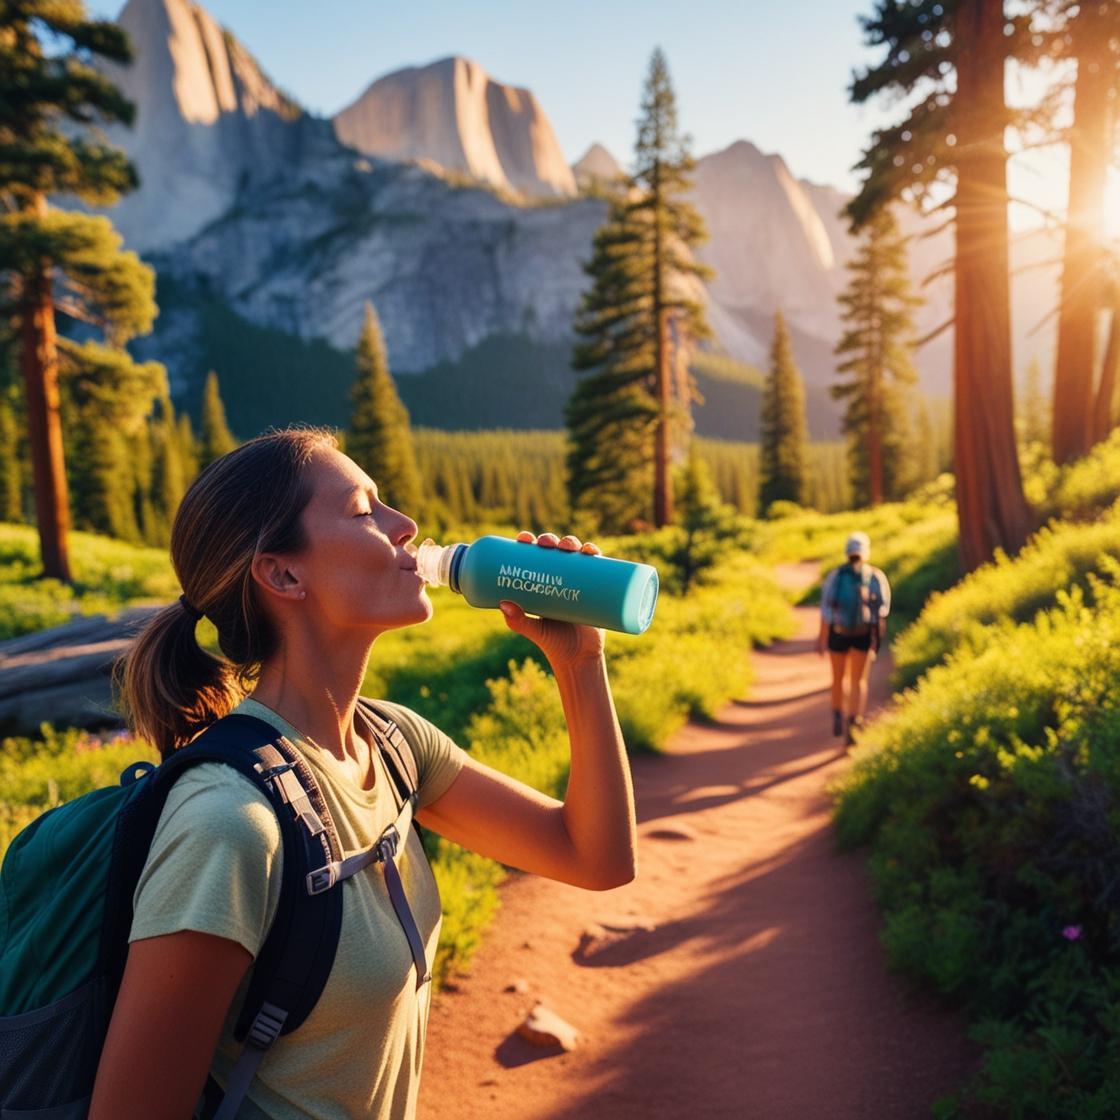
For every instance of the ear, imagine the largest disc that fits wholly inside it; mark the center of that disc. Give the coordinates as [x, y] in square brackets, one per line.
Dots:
[276, 575]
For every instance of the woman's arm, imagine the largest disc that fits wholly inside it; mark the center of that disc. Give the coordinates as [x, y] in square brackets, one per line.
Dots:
[174, 997]
[588, 839]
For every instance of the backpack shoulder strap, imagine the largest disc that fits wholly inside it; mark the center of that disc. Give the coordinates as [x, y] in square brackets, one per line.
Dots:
[395, 749]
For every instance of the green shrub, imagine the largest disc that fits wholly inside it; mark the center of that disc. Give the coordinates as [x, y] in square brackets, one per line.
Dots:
[991, 799]
[978, 610]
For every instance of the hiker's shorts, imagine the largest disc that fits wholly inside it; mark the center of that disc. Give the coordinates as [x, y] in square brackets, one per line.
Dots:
[841, 643]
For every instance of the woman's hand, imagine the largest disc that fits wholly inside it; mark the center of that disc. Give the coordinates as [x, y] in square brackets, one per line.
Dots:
[563, 643]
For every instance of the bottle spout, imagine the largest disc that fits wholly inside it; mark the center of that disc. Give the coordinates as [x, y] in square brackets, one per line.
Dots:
[433, 562]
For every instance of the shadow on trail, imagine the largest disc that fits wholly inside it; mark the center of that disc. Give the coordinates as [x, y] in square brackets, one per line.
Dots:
[516, 1051]
[781, 965]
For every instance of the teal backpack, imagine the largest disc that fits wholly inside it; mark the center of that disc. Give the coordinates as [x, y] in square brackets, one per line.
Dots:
[855, 599]
[66, 888]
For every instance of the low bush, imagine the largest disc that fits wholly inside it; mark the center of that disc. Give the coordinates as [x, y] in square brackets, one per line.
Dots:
[1007, 591]
[990, 797]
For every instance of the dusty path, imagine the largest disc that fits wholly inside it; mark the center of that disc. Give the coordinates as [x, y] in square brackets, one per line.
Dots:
[762, 991]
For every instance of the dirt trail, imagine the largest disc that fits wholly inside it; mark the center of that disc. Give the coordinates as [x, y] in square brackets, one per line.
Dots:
[762, 990]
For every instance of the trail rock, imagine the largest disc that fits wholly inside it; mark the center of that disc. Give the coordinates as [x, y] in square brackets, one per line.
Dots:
[673, 830]
[520, 985]
[544, 1027]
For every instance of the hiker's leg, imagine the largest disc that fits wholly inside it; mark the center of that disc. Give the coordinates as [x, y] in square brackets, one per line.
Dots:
[857, 677]
[838, 662]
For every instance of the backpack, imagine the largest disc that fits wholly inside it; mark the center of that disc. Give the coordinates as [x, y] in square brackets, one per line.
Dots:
[855, 600]
[66, 888]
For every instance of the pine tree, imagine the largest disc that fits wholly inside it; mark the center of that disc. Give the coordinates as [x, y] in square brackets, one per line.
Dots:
[188, 449]
[168, 484]
[380, 437]
[631, 412]
[105, 402]
[215, 439]
[45, 254]
[878, 345]
[703, 523]
[783, 471]
[952, 56]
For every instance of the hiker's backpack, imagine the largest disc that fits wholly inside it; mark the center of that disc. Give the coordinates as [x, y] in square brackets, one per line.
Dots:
[855, 599]
[66, 889]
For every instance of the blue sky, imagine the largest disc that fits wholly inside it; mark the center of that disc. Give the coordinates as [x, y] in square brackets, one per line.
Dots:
[768, 71]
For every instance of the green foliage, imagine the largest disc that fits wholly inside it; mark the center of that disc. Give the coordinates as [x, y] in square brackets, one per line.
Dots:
[108, 574]
[991, 798]
[877, 368]
[1081, 489]
[380, 439]
[216, 439]
[784, 433]
[978, 611]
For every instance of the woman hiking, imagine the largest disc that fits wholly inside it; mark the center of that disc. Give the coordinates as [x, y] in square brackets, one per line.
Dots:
[855, 602]
[285, 545]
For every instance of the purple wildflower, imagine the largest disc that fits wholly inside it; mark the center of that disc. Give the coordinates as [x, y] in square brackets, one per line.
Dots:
[1072, 933]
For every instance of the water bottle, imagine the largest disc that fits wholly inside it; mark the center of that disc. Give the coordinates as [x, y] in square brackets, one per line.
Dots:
[570, 586]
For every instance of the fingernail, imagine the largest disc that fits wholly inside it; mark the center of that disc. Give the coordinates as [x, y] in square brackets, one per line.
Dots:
[506, 608]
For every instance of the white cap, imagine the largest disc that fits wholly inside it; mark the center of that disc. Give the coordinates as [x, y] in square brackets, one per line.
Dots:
[858, 544]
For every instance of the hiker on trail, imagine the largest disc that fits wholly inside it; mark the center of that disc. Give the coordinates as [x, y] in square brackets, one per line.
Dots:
[855, 602]
[286, 547]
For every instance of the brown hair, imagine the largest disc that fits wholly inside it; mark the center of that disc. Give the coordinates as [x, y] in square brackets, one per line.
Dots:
[245, 502]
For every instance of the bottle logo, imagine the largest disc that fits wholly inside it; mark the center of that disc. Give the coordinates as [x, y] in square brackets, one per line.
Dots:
[536, 583]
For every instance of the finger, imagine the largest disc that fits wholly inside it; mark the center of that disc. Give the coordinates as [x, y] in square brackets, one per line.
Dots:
[570, 543]
[548, 540]
[591, 549]
[526, 537]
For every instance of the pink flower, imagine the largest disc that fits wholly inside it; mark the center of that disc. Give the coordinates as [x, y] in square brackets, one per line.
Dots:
[1072, 933]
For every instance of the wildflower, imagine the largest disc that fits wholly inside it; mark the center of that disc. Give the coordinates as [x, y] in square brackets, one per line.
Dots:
[1072, 933]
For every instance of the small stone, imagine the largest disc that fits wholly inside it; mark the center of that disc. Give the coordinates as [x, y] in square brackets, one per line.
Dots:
[526, 944]
[520, 985]
[628, 924]
[673, 830]
[544, 1027]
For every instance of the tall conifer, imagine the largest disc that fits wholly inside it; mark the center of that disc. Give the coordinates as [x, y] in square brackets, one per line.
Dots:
[783, 466]
[380, 437]
[52, 93]
[945, 63]
[630, 415]
[215, 438]
[877, 366]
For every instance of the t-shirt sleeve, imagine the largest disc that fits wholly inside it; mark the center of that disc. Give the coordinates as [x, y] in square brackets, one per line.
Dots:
[215, 864]
[884, 593]
[438, 757]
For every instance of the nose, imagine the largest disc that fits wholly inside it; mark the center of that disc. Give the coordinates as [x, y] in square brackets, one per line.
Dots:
[406, 531]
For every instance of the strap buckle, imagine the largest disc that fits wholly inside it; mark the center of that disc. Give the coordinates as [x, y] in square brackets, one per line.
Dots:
[388, 844]
[322, 878]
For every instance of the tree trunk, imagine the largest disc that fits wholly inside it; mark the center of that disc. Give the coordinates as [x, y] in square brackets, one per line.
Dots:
[662, 491]
[39, 364]
[991, 508]
[1081, 290]
[1106, 390]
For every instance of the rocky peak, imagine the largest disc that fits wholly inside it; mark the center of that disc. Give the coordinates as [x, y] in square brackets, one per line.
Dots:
[596, 164]
[454, 114]
[207, 119]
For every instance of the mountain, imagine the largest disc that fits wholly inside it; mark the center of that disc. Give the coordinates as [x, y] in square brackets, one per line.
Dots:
[596, 164]
[209, 122]
[455, 115]
[269, 233]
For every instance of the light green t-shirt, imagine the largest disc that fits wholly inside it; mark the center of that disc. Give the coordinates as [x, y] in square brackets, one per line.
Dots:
[215, 867]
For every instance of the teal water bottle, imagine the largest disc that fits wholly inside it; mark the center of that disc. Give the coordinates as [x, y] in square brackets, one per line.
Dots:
[570, 586]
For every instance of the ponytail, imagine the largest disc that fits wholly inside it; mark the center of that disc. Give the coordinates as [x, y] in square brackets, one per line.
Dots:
[246, 502]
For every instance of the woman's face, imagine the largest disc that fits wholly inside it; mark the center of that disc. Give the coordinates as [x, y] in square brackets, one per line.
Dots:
[355, 569]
